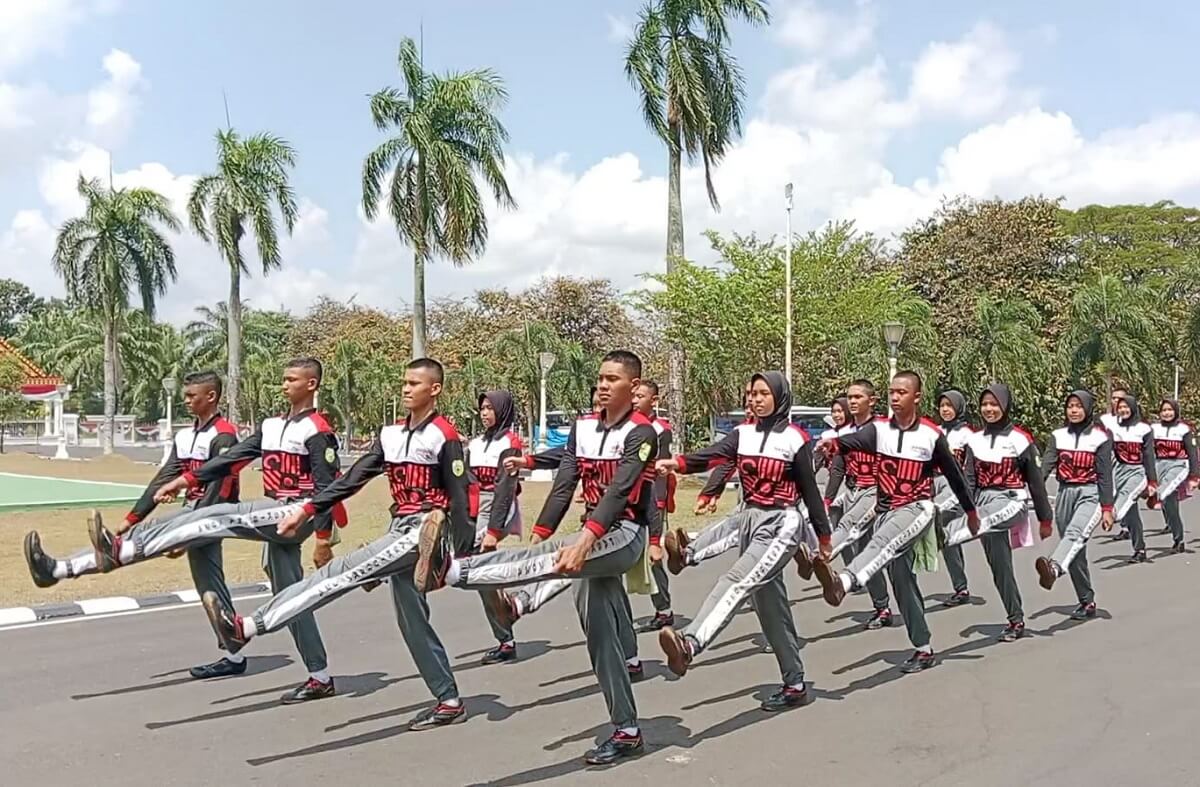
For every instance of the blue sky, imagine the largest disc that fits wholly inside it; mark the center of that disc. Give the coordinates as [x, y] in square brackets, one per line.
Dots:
[876, 110]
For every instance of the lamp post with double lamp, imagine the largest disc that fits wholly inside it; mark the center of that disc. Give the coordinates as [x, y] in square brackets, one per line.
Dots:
[787, 283]
[61, 427]
[545, 363]
[893, 335]
[169, 386]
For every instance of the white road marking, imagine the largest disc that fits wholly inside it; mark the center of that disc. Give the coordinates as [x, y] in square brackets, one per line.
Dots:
[83, 618]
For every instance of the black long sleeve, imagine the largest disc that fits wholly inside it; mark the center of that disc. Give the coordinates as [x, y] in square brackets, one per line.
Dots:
[724, 450]
[837, 473]
[806, 483]
[225, 490]
[1104, 474]
[969, 471]
[562, 492]
[1050, 459]
[1028, 463]
[1148, 460]
[943, 459]
[454, 478]
[231, 461]
[503, 494]
[368, 466]
[170, 470]
[550, 459]
[323, 461]
[640, 449]
[714, 487]
[862, 440]
[1189, 447]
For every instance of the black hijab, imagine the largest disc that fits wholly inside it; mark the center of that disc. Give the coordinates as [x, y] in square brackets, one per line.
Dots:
[1004, 398]
[1089, 406]
[502, 404]
[782, 391]
[959, 403]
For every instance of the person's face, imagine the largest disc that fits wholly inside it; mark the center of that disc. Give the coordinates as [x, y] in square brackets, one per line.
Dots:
[199, 399]
[903, 395]
[645, 400]
[1115, 402]
[838, 414]
[861, 403]
[615, 387]
[746, 396]
[1075, 413]
[1166, 412]
[762, 401]
[298, 384]
[989, 408]
[420, 389]
[946, 410]
[487, 414]
[1123, 409]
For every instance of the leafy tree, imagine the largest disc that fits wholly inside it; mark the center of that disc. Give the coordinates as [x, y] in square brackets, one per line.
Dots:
[447, 135]
[114, 247]
[253, 176]
[12, 406]
[692, 93]
[17, 302]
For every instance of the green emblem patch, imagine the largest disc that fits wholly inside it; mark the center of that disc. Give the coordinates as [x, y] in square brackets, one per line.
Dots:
[330, 455]
[457, 467]
[644, 452]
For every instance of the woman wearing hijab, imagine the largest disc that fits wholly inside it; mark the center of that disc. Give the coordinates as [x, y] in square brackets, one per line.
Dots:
[1080, 456]
[1000, 464]
[774, 459]
[1134, 470]
[1177, 466]
[952, 409]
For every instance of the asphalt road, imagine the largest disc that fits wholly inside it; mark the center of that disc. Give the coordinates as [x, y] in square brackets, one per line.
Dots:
[1115, 700]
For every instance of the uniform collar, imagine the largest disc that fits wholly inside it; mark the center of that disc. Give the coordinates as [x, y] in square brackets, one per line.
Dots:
[197, 426]
[428, 420]
[602, 420]
[896, 424]
[300, 416]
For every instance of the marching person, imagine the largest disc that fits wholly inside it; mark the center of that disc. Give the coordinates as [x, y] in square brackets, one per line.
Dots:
[1177, 466]
[952, 408]
[1134, 471]
[646, 401]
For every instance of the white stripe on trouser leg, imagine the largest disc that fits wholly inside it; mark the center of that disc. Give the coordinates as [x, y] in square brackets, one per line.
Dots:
[1129, 499]
[541, 592]
[717, 547]
[775, 553]
[959, 533]
[516, 572]
[715, 540]
[311, 590]
[1171, 479]
[896, 544]
[217, 526]
[1078, 544]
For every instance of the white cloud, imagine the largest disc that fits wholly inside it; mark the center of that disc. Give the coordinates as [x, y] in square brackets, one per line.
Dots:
[30, 27]
[112, 104]
[620, 29]
[969, 77]
[824, 33]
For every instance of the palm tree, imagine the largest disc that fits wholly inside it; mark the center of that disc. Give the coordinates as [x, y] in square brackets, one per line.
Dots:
[447, 133]
[114, 247]
[1116, 330]
[692, 93]
[1005, 345]
[253, 175]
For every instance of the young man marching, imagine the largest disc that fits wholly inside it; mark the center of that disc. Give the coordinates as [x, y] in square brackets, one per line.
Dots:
[908, 450]
[1177, 466]
[1108, 419]
[1080, 456]
[208, 436]
[1134, 471]
[776, 464]
[299, 456]
[422, 458]
[1001, 462]
[952, 408]
[645, 400]
[613, 454]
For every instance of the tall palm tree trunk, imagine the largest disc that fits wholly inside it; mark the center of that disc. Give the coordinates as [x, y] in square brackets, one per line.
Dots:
[109, 428]
[418, 321]
[234, 329]
[674, 254]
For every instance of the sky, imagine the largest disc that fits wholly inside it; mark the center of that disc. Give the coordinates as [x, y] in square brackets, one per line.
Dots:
[876, 111]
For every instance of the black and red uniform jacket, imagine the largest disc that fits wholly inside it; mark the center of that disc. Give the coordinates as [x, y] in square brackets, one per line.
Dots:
[1175, 440]
[299, 459]
[616, 466]
[774, 458]
[906, 460]
[855, 467]
[1133, 439]
[425, 469]
[1081, 454]
[193, 446]
[1004, 456]
[485, 462]
[664, 485]
[720, 476]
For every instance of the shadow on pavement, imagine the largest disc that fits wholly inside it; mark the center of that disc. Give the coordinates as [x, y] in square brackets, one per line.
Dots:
[254, 666]
[525, 650]
[1066, 623]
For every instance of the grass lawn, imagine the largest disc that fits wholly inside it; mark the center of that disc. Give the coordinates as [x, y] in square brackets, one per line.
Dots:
[64, 531]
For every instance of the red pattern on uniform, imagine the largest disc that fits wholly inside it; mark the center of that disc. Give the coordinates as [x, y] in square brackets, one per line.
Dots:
[1128, 452]
[1076, 467]
[1169, 449]
[904, 481]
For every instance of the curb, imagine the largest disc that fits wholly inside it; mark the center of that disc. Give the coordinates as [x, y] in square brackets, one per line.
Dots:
[11, 616]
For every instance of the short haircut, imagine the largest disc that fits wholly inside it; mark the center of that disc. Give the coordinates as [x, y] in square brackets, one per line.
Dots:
[628, 360]
[308, 364]
[911, 376]
[651, 384]
[207, 377]
[864, 384]
[429, 365]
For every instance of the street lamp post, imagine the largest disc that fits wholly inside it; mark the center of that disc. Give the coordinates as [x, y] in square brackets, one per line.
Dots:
[61, 427]
[168, 384]
[545, 362]
[1175, 363]
[787, 285]
[893, 335]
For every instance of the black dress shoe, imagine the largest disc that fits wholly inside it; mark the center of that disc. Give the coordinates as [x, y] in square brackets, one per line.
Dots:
[311, 689]
[506, 651]
[41, 565]
[226, 623]
[1138, 557]
[620, 745]
[222, 668]
[785, 699]
[440, 715]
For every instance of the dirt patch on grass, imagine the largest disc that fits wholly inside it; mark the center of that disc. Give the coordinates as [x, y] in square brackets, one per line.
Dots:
[63, 532]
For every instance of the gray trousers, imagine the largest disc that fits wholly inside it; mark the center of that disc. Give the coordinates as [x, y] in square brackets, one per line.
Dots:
[1076, 514]
[999, 511]
[253, 521]
[716, 539]
[503, 633]
[768, 541]
[392, 555]
[600, 600]
[1129, 481]
[948, 508]
[661, 598]
[853, 525]
[1172, 475]
[891, 546]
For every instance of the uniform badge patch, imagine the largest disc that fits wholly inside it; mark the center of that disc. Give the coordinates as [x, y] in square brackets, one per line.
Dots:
[457, 467]
[644, 452]
[330, 455]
